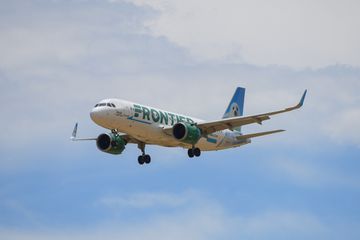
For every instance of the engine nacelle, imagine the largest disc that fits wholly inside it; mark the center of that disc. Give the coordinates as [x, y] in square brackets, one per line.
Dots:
[110, 143]
[186, 133]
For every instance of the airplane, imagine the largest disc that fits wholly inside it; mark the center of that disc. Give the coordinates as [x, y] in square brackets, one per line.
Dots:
[135, 123]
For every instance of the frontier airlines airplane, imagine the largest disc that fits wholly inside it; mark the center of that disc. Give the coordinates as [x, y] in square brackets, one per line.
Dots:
[139, 124]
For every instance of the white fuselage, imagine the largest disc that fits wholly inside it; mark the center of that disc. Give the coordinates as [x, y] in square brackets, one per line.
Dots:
[146, 124]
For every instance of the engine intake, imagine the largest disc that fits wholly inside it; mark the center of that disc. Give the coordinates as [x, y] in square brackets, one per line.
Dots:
[186, 133]
[110, 143]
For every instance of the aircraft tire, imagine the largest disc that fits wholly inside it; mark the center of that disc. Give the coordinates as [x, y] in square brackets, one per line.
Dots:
[147, 159]
[197, 152]
[190, 153]
[141, 160]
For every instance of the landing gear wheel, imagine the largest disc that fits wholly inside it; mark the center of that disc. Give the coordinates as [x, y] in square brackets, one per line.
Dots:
[147, 159]
[144, 158]
[197, 152]
[190, 153]
[194, 152]
[141, 160]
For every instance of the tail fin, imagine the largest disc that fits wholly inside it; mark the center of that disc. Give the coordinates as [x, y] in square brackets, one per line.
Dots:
[236, 105]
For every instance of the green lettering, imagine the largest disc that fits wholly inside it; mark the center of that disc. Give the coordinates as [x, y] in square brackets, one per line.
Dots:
[146, 113]
[137, 109]
[189, 120]
[155, 115]
[172, 118]
[164, 118]
[181, 119]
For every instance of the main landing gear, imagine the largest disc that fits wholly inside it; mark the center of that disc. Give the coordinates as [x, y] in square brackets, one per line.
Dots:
[194, 152]
[144, 158]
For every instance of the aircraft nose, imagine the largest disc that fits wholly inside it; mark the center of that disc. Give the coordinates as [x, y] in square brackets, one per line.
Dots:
[102, 115]
[96, 115]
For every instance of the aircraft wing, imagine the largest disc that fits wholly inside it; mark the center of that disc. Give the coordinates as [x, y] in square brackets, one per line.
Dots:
[126, 137]
[230, 123]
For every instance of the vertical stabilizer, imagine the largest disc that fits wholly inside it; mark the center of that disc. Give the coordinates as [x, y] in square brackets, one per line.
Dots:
[236, 105]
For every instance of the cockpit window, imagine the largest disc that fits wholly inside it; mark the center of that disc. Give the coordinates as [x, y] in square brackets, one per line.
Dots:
[105, 104]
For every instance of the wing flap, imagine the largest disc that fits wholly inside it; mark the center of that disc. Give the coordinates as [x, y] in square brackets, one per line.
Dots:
[230, 123]
[253, 135]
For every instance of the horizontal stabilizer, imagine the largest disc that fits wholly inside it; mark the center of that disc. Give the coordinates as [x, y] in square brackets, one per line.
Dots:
[252, 135]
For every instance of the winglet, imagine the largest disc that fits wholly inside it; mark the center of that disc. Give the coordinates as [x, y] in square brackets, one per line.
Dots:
[73, 135]
[302, 99]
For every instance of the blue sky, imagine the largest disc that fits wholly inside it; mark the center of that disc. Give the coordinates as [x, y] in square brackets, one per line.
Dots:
[61, 57]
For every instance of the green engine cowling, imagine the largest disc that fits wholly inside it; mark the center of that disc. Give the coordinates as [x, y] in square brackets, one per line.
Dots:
[186, 132]
[110, 143]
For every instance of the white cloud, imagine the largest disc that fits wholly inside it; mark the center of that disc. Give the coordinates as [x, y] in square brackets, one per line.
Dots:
[149, 200]
[291, 33]
[281, 224]
[50, 80]
[307, 172]
[198, 225]
[344, 126]
[200, 218]
[23, 46]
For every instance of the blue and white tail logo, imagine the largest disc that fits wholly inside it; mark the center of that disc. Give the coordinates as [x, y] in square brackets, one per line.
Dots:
[236, 105]
[234, 110]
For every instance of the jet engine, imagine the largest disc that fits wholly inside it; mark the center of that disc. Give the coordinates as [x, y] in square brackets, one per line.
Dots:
[110, 143]
[187, 133]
